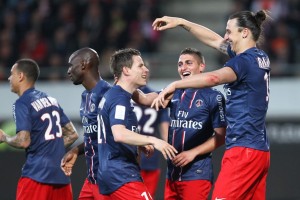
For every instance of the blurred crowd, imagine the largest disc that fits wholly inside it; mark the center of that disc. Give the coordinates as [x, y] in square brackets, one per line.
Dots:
[48, 31]
[282, 35]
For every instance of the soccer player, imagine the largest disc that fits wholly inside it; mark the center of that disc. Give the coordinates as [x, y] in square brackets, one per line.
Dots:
[246, 76]
[119, 172]
[44, 131]
[197, 127]
[84, 70]
[152, 123]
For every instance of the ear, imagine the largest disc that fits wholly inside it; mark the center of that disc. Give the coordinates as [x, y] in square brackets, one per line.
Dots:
[83, 64]
[21, 76]
[245, 33]
[125, 70]
[202, 67]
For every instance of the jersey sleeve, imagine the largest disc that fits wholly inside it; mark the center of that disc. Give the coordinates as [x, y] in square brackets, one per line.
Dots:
[119, 111]
[22, 117]
[239, 65]
[164, 115]
[63, 117]
[218, 110]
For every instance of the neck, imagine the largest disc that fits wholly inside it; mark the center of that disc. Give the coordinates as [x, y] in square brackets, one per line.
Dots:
[127, 86]
[91, 82]
[23, 89]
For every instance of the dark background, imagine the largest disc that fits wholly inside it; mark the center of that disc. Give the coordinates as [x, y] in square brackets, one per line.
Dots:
[283, 179]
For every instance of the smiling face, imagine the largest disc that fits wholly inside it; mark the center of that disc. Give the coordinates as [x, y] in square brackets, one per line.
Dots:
[233, 35]
[139, 71]
[188, 65]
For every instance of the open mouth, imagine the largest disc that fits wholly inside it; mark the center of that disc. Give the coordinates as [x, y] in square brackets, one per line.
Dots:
[186, 74]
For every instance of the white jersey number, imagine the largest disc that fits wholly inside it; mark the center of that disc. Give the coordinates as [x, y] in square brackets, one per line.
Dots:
[48, 134]
[146, 195]
[148, 126]
[101, 125]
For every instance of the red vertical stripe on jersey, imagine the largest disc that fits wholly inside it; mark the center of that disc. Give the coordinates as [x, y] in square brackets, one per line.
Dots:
[191, 102]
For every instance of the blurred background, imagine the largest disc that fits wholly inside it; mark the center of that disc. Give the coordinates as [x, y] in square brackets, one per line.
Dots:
[48, 31]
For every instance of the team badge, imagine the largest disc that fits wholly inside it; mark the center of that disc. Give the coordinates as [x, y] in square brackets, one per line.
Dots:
[198, 103]
[84, 120]
[92, 107]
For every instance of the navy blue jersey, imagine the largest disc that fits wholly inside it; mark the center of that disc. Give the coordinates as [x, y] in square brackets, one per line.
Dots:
[247, 100]
[118, 160]
[88, 113]
[194, 114]
[149, 120]
[42, 116]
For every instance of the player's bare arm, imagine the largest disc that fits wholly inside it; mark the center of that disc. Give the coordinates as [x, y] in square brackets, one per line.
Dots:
[121, 134]
[202, 33]
[21, 140]
[164, 97]
[70, 134]
[217, 140]
[69, 159]
[141, 98]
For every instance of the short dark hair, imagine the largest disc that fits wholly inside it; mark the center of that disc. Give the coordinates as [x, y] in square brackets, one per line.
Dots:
[29, 67]
[122, 58]
[89, 55]
[195, 52]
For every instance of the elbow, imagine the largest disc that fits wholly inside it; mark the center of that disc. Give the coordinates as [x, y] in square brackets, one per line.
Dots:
[213, 80]
[118, 138]
[75, 137]
[25, 144]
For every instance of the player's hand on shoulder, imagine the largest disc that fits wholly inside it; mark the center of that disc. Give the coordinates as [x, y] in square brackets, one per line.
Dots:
[164, 97]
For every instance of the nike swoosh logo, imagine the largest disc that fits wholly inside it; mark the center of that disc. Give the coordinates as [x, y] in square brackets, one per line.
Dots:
[174, 100]
[219, 198]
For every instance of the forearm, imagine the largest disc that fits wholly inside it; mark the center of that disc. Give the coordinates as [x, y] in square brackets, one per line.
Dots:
[79, 149]
[20, 140]
[69, 134]
[123, 135]
[203, 80]
[210, 145]
[202, 33]
[144, 99]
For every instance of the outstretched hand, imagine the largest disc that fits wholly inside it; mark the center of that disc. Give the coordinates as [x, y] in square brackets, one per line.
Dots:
[165, 22]
[67, 162]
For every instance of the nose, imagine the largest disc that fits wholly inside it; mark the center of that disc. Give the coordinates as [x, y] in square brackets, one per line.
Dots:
[226, 36]
[69, 71]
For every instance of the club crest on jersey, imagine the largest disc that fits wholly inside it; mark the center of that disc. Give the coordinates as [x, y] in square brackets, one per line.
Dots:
[198, 103]
[92, 107]
[84, 120]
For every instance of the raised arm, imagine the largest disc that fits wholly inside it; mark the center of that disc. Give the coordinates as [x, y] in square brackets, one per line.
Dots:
[146, 99]
[202, 33]
[70, 134]
[203, 80]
